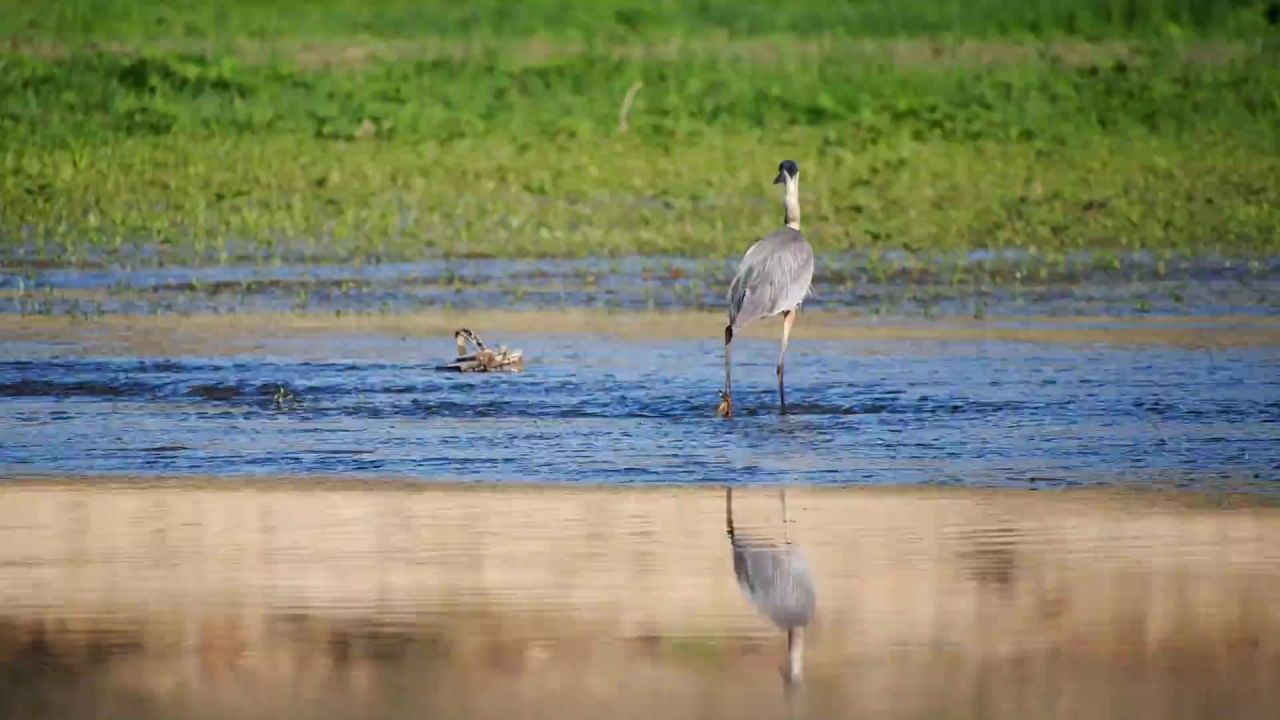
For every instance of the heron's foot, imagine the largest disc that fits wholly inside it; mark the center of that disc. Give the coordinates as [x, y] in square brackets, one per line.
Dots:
[725, 409]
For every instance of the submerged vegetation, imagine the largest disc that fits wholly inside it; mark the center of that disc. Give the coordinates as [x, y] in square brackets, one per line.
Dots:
[338, 131]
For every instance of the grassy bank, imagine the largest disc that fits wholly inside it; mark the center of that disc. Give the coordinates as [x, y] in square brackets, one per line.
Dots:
[287, 139]
[149, 20]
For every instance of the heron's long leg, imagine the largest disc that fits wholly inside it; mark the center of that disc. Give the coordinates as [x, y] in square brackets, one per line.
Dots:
[788, 319]
[726, 403]
[728, 338]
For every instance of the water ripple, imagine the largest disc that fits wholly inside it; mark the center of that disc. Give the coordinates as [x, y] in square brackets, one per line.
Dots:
[980, 413]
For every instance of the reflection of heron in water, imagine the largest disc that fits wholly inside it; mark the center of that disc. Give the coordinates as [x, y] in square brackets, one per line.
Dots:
[776, 579]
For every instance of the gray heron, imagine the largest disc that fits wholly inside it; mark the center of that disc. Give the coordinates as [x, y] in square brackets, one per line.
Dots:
[776, 579]
[772, 279]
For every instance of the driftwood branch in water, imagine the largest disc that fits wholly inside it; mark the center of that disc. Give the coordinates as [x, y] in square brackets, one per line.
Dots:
[483, 359]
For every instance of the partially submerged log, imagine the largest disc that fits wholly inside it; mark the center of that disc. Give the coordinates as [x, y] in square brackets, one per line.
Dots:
[482, 359]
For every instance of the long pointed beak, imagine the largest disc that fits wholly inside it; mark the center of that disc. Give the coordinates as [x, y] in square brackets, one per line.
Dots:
[781, 179]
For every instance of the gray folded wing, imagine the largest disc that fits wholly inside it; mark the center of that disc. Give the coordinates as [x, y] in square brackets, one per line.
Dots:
[774, 276]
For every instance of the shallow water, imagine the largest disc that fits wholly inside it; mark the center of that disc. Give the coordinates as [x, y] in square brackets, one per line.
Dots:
[898, 286]
[604, 409]
[255, 514]
[279, 598]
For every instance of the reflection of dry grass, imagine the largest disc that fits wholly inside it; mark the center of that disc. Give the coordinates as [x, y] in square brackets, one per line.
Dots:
[219, 334]
[348, 599]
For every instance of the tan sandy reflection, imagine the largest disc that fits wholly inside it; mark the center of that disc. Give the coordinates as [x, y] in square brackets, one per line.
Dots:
[340, 600]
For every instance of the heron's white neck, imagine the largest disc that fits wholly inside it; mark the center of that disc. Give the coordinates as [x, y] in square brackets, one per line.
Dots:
[791, 202]
[795, 654]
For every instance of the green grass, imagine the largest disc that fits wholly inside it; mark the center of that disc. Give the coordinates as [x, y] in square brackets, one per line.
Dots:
[287, 132]
[149, 20]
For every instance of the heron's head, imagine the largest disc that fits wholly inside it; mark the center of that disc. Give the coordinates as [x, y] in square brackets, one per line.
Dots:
[788, 173]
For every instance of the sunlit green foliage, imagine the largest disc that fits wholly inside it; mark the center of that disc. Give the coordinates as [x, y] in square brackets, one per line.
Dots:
[140, 20]
[281, 133]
